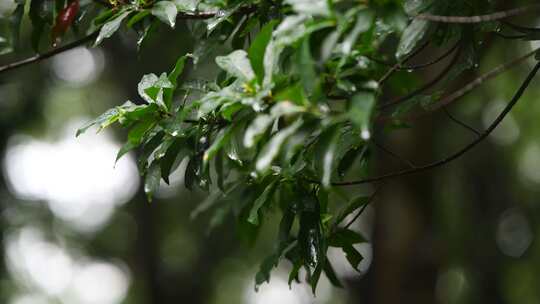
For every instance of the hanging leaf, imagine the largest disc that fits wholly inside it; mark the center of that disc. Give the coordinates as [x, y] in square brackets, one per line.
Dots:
[261, 201]
[413, 34]
[109, 28]
[165, 11]
[258, 49]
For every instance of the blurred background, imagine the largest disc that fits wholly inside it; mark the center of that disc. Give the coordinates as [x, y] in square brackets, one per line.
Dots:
[76, 228]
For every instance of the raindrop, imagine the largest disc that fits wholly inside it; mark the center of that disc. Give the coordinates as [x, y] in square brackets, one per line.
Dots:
[365, 134]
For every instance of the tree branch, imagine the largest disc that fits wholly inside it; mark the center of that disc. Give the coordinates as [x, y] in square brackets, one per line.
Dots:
[480, 18]
[461, 152]
[481, 79]
[41, 57]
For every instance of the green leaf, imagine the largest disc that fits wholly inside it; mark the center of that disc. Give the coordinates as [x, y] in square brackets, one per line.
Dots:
[285, 226]
[135, 137]
[212, 23]
[152, 180]
[165, 11]
[148, 148]
[306, 66]
[258, 48]
[315, 276]
[325, 154]
[362, 105]
[187, 6]
[353, 256]
[237, 64]
[109, 28]
[151, 89]
[221, 139]
[310, 7]
[310, 236]
[364, 21]
[256, 129]
[331, 274]
[173, 79]
[345, 237]
[260, 201]
[104, 120]
[410, 38]
[272, 148]
[137, 18]
[172, 155]
[263, 275]
[293, 93]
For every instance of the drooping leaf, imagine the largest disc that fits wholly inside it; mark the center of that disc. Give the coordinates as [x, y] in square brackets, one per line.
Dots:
[109, 28]
[221, 139]
[412, 35]
[172, 156]
[256, 129]
[272, 148]
[331, 274]
[135, 137]
[165, 11]
[353, 256]
[152, 180]
[260, 201]
[362, 105]
[345, 237]
[258, 48]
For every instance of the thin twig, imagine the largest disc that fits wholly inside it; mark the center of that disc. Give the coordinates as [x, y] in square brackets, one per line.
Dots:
[361, 211]
[420, 65]
[461, 152]
[396, 66]
[480, 18]
[426, 86]
[394, 155]
[459, 122]
[40, 57]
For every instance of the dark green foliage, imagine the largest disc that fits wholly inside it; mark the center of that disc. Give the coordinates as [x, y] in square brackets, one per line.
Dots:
[295, 107]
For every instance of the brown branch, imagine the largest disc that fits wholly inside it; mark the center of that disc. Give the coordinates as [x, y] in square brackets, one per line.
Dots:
[459, 153]
[41, 57]
[480, 18]
[481, 79]
[459, 122]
